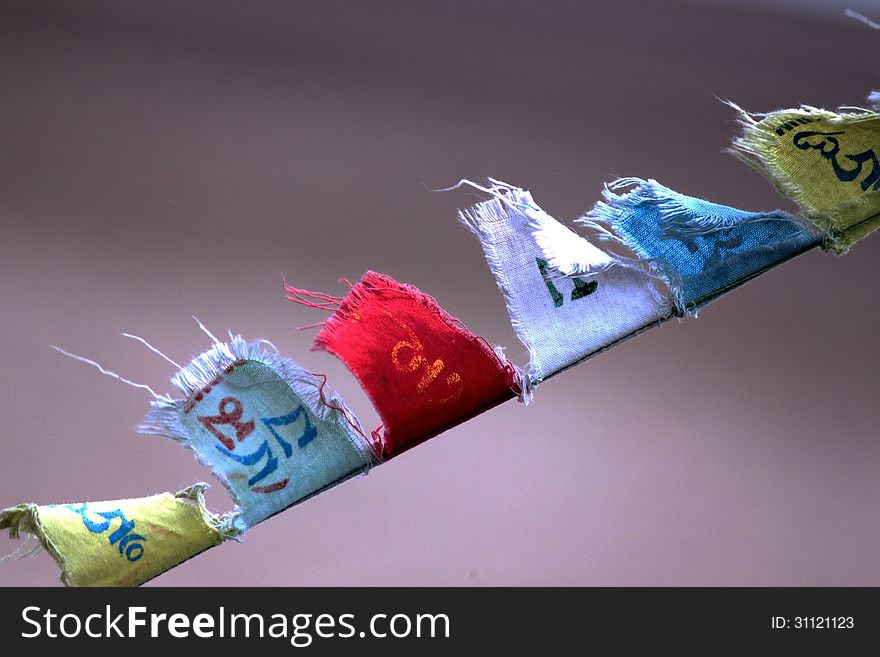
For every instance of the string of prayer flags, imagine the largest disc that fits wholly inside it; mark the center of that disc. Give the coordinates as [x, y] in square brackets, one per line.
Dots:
[269, 430]
[120, 542]
[423, 370]
[825, 161]
[275, 435]
[560, 320]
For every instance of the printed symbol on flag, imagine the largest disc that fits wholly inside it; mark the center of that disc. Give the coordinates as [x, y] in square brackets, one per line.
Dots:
[242, 429]
[721, 248]
[417, 361]
[264, 451]
[581, 288]
[308, 435]
[129, 544]
[782, 128]
[829, 148]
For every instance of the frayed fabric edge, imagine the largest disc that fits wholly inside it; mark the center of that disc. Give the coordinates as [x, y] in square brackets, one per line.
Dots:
[220, 523]
[205, 370]
[370, 284]
[676, 221]
[475, 219]
[605, 219]
[25, 519]
[522, 384]
[346, 308]
[567, 252]
[754, 147]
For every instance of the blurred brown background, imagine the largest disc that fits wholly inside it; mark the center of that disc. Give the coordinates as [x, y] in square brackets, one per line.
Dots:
[165, 159]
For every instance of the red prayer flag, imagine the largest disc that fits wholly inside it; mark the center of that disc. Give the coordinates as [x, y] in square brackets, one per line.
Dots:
[421, 367]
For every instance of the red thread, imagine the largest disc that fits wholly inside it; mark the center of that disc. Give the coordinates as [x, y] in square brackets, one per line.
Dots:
[378, 444]
[342, 411]
[309, 326]
[311, 299]
[270, 488]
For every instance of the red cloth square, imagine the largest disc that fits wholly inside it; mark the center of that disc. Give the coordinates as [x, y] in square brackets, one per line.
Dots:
[422, 369]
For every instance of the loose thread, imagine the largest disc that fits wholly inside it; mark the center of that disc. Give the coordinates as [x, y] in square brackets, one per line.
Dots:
[114, 375]
[152, 348]
[318, 300]
[342, 411]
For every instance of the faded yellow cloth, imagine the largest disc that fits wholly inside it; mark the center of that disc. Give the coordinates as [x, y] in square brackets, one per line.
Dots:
[826, 161]
[120, 542]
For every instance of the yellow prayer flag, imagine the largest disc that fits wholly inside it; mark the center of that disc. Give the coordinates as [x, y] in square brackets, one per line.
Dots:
[826, 161]
[120, 542]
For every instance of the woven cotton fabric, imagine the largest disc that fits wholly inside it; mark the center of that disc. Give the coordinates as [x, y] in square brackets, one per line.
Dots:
[119, 542]
[422, 369]
[560, 319]
[268, 429]
[826, 161]
[704, 248]
[266, 444]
